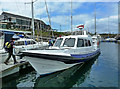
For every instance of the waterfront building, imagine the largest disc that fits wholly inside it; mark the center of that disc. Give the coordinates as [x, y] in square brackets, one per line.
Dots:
[18, 22]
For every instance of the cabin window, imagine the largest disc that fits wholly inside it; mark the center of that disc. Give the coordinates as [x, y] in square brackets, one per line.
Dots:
[69, 42]
[89, 43]
[86, 42]
[16, 44]
[58, 42]
[80, 43]
[33, 42]
[19, 43]
[28, 42]
[93, 38]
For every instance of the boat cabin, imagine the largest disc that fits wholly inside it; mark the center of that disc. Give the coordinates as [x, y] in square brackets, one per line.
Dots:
[73, 41]
[25, 42]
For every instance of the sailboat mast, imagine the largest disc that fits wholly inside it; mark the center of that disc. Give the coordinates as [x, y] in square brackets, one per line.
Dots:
[108, 26]
[95, 18]
[48, 17]
[32, 10]
[71, 17]
[32, 18]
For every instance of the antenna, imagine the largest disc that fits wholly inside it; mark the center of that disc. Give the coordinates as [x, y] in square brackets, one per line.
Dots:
[71, 16]
[60, 28]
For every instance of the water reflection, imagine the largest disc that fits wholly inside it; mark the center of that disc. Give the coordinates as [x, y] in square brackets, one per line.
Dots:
[67, 78]
[19, 79]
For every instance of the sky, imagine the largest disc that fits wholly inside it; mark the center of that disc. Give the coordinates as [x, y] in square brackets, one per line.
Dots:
[83, 12]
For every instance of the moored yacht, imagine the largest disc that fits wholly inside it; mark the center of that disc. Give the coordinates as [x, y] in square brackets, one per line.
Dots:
[110, 39]
[26, 44]
[96, 39]
[66, 52]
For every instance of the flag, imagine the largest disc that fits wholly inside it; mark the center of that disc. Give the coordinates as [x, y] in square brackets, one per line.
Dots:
[80, 26]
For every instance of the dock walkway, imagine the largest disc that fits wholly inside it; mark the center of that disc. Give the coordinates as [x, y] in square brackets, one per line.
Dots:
[12, 68]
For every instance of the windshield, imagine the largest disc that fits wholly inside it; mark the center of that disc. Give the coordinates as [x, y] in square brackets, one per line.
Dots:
[58, 42]
[69, 42]
[19, 43]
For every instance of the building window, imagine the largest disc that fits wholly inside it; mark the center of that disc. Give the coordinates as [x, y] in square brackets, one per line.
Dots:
[18, 21]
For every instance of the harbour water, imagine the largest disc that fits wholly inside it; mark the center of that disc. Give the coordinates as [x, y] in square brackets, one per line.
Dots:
[98, 72]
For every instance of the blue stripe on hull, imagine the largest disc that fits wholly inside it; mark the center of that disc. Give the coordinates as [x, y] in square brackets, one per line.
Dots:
[85, 57]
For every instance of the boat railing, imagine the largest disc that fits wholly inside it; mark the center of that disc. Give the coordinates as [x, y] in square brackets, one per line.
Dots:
[80, 32]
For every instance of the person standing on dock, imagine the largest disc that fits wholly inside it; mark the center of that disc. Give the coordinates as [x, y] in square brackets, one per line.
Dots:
[10, 51]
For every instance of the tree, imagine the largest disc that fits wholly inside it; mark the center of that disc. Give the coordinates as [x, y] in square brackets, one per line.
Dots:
[8, 26]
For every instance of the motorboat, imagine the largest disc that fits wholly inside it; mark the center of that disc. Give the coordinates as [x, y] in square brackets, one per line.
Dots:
[110, 39]
[66, 52]
[27, 44]
[96, 39]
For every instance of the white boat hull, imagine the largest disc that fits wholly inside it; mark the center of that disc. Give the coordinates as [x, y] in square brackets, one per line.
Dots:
[65, 53]
[45, 66]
